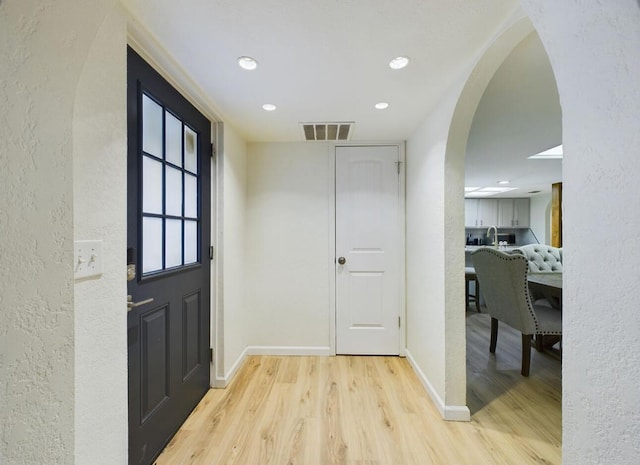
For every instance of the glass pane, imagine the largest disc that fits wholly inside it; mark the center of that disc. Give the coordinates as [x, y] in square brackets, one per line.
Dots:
[190, 242]
[151, 244]
[151, 127]
[173, 244]
[190, 150]
[190, 196]
[173, 137]
[173, 201]
[151, 185]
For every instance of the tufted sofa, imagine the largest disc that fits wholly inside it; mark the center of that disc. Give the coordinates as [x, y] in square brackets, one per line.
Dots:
[542, 258]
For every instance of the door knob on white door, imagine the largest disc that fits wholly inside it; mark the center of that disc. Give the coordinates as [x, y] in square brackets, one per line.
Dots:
[342, 260]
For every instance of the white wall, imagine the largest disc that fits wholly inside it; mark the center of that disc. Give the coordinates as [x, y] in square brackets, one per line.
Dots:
[287, 246]
[539, 215]
[234, 323]
[594, 50]
[43, 49]
[99, 211]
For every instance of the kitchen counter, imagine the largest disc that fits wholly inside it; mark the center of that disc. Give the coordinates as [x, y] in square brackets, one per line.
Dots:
[472, 248]
[468, 249]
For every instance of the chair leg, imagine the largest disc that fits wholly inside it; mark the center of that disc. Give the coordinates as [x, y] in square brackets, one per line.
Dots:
[539, 342]
[477, 297]
[526, 354]
[494, 335]
[466, 294]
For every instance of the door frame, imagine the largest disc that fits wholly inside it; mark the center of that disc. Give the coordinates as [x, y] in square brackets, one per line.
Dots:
[401, 232]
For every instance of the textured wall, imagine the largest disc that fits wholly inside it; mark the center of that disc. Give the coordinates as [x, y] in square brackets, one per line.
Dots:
[594, 49]
[435, 213]
[42, 50]
[99, 208]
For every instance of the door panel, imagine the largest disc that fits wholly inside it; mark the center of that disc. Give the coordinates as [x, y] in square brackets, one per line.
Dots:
[168, 220]
[367, 237]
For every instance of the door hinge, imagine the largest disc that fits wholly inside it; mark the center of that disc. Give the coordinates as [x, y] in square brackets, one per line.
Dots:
[211, 253]
[398, 164]
[210, 354]
[399, 326]
[213, 150]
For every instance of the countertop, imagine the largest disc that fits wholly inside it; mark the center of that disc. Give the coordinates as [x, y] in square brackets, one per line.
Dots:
[472, 248]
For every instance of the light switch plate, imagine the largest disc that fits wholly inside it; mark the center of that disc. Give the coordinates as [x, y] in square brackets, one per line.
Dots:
[87, 256]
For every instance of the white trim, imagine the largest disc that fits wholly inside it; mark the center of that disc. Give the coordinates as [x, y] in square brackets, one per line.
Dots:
[402, 233]
[321, 351]
[448, 412]
[332, 247]
[217, 315]
[149, 47]
[223, 381]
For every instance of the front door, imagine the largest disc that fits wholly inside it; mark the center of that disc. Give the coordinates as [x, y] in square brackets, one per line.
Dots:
[168, 237]
[368, 250]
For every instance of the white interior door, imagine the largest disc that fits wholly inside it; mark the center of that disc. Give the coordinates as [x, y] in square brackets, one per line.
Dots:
[368, 248]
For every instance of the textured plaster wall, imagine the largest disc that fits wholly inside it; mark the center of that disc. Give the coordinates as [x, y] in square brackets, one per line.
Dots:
[435, 221]
[43, 46]
[594, 48]
[99, 211]
[234, 198]
[287, 244]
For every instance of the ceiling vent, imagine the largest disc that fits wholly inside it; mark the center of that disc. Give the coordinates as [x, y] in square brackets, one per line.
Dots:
[327, 131]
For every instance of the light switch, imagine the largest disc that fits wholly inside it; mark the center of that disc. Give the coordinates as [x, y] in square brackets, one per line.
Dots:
[87, 257]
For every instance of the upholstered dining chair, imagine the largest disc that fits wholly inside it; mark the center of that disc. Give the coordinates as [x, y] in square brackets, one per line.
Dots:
[503, 278]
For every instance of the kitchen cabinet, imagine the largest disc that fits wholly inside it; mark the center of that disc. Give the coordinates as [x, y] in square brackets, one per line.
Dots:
[480, 213]
[513, 213]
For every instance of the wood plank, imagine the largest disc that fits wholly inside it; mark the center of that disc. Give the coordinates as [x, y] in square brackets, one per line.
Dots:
[373, 411]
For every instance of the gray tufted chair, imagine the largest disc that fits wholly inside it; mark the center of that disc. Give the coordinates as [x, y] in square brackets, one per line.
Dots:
[503, 278]
[542, 258]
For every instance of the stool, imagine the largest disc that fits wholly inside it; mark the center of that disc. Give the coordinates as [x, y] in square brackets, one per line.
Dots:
[470, 275]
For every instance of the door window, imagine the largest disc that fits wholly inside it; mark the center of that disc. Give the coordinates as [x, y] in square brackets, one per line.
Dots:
[170, 215]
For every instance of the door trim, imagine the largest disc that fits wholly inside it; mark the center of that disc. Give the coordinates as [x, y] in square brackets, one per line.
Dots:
[401, 231]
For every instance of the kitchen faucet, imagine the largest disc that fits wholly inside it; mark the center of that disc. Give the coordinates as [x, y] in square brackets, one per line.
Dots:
[495, 235]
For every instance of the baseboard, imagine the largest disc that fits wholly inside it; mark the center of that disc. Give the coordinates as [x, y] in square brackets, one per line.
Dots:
[289, 350]
[448, 412]
[223, 382]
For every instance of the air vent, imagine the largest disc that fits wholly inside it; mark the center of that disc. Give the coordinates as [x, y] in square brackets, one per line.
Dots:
[327, 131]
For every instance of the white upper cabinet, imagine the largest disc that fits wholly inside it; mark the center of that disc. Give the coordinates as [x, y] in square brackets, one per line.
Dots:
[480, 213]
[513, 213]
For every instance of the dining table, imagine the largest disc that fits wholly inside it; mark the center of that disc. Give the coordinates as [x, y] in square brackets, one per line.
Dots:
[548, 286]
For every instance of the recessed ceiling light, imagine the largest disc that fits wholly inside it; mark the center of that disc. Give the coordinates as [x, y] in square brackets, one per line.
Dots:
[247, 63]
[399, 62]
[553, 153]
[504, 182]
[381, 105]
[268, 107]
[486, 191]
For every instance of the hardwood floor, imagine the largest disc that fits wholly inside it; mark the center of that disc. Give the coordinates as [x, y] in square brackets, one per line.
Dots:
[374, 411]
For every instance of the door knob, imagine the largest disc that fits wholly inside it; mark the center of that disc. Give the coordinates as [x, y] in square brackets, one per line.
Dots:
[342, 260]
[131, 304]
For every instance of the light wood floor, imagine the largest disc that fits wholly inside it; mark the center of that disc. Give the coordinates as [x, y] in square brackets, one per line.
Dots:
[374, 411]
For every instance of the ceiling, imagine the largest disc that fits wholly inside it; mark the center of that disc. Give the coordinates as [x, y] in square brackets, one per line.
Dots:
[327, 60]
[519, 115]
